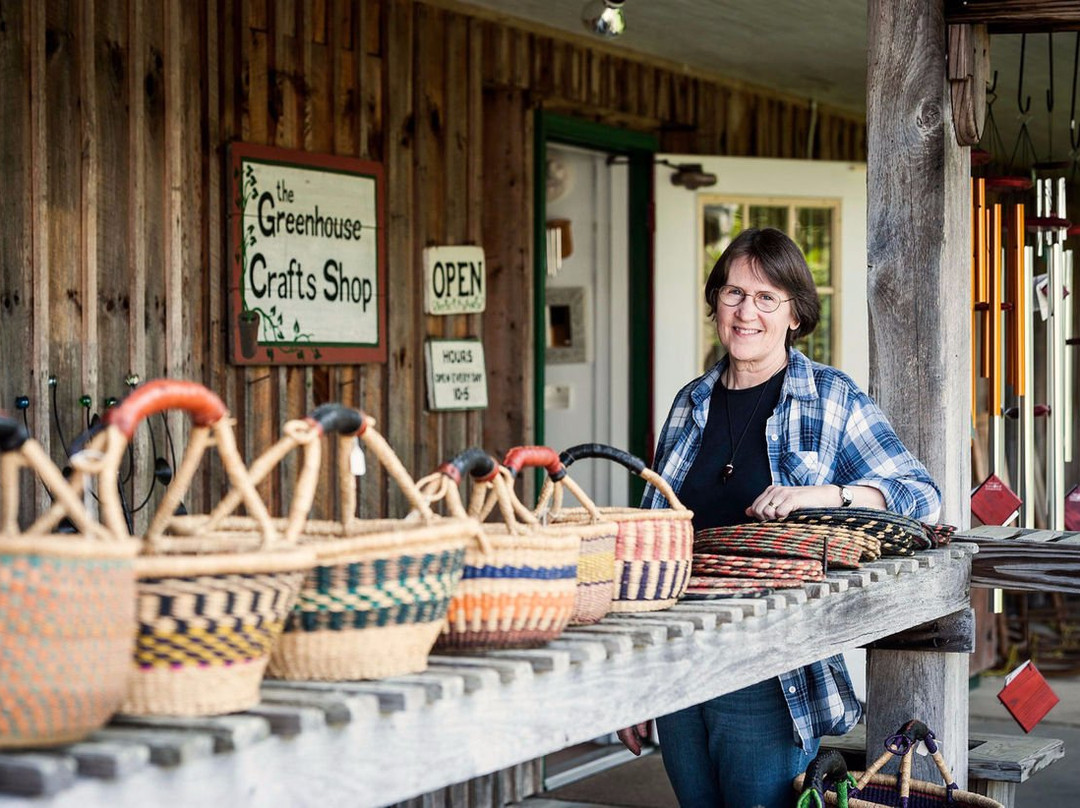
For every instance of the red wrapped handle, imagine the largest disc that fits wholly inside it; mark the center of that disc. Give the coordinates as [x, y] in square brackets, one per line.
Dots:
[204, 407]
[535, 456]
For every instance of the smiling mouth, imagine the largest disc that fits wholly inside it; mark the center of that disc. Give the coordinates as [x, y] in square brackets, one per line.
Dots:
[745, 332]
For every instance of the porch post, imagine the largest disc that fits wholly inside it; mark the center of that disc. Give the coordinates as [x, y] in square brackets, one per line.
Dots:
[918, 291]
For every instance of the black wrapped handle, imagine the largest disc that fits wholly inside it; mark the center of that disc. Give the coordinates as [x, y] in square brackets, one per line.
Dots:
[828, 767]
[338, 418]
[604, 452]
[908, 736]
[12, 434]
[473, 461]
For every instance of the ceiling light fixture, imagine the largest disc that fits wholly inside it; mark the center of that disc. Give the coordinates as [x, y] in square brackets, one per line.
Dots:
[604, 17]
[690, 175]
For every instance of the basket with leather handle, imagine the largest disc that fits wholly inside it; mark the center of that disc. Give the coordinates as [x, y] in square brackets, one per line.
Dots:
[377, 598]
[653, 547]
[67, 606]
[518, 591]
[828, 782]
[596, 560]
[213, 590]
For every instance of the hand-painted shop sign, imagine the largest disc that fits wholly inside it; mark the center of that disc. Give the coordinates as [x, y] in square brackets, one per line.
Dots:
[454, 280]
[308, 245]
[456, 375]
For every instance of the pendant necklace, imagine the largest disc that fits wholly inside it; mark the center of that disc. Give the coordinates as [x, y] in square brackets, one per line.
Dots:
[729, 467]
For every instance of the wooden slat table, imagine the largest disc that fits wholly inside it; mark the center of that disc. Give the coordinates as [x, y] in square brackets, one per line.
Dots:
[1031, 560]
[377, 743]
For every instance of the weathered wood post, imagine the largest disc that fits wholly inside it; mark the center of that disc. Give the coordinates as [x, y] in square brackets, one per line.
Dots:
[918, 293]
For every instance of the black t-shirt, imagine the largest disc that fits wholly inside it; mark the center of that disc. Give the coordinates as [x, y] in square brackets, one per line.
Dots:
[714, 500]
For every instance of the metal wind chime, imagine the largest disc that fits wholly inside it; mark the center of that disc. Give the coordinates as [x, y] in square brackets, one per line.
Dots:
[1022, 274]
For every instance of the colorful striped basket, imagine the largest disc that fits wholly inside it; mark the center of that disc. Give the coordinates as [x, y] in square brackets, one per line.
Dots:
[843, 547]
[67, 607]
[212, 594]
[518, 591]
[653, 548]
[898, 535]
[377, 598]
[828, 782]
[596, 561]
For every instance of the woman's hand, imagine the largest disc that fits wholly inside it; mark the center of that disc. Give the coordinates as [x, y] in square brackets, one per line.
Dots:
[633, 737]
[778, 501]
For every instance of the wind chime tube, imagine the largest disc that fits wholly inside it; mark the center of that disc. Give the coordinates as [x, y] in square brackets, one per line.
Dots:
[1055, 353]
[993, 320]
[983, 275]
[1067, 376]
[1026, 454]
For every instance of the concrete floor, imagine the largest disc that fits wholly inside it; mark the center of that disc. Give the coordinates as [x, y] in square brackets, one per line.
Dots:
[641, 783]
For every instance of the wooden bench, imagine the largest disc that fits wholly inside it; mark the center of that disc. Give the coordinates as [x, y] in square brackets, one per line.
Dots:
[996, 763]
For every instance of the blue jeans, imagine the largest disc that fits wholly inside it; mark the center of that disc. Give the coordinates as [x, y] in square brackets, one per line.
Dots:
[735, 751]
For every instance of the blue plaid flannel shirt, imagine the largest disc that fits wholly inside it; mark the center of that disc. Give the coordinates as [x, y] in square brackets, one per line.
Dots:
[824, 430]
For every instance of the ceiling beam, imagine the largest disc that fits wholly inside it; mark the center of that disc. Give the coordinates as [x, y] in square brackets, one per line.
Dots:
[1016, 16]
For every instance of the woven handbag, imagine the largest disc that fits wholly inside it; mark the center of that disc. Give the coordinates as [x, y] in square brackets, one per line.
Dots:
[596, 561]
[67, 607]
[377, 598]
[517, 591]
[212, 594]
[828, 782]
[653, 548]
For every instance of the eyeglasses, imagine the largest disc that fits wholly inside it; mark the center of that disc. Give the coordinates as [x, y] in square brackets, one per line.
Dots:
[766, 302]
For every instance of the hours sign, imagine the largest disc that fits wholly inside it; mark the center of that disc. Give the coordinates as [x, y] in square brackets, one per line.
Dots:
[308, 246]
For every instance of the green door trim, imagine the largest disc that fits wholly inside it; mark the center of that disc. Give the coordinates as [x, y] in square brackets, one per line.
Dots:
[638, 149]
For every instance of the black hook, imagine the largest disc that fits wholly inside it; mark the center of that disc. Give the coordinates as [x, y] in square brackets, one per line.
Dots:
[990, 90]
[1050, 92]
[1024, 108]
[1074, 135]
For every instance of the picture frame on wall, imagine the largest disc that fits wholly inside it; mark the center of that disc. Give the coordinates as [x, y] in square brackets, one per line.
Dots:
[566, 339]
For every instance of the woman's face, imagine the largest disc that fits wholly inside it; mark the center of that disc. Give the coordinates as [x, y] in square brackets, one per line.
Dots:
[751, 336]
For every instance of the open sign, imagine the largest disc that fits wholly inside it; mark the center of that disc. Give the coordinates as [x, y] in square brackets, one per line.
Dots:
[454, 280]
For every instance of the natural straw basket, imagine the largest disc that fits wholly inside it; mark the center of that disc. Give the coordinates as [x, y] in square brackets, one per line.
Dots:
[376, 600]
[212, 596]
[518, 592]
[654, 547]
[827, 781]
[596, 561]
[67, 608]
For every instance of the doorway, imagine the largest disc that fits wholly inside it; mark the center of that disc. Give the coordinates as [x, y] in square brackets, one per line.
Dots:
[593, 289]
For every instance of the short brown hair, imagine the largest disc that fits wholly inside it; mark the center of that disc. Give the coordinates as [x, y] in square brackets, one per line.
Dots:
[780, 261]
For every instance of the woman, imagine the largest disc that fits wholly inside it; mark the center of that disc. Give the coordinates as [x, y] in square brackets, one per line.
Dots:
[763, 433]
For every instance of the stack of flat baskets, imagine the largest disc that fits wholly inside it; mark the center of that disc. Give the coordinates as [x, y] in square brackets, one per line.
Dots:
[67, 607]
[653, 548]
[377, 598]
[518, 590]
[596, 560]
[212, 592]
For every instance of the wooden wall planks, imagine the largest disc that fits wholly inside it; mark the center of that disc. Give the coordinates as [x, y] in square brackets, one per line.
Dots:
[114, 255]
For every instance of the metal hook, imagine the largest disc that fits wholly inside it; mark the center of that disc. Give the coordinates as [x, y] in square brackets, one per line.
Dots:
[1074, 135]
[1024, 108]
[993, 87]
[1050, 91]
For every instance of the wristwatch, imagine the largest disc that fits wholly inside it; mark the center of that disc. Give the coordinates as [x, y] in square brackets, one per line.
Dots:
[846, 496]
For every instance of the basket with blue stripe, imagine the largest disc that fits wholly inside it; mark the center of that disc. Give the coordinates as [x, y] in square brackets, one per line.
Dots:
[518, 590]
[377, 598]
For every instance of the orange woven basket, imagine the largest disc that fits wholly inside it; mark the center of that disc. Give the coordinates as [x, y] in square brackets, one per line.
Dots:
[67, 607]
[518, 590]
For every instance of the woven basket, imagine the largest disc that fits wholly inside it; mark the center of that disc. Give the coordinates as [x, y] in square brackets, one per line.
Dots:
[213, 593]
[518, 591]
[66, 608]
[653, 548]
[898, 535]
[596, 561]
[710, 588]
[377, 599]
[796, 570]
[843, 547]
[828, 782]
